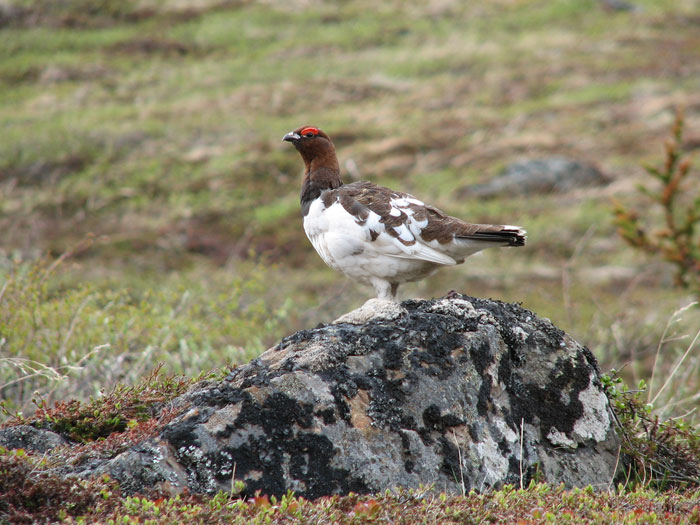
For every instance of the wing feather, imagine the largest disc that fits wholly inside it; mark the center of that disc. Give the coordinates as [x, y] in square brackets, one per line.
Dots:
[426, 253]
[399, 225]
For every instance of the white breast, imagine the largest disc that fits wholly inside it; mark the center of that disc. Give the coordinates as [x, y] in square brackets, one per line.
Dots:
[334, 234]
[348, 247]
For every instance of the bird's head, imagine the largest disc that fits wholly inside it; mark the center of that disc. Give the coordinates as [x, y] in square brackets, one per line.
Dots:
[313, 144]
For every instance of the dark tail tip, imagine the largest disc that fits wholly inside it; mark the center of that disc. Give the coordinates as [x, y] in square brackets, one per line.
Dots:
[507, 235]
[516, 237]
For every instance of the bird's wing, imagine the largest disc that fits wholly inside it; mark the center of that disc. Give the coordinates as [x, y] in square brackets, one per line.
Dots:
[409, 228]
[390, 221]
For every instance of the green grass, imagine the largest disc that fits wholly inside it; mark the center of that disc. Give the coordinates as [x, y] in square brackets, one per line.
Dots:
[156, 131]
[63, 339]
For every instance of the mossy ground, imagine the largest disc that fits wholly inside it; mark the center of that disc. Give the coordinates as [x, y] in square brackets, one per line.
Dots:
[141, 139]
[52, 500]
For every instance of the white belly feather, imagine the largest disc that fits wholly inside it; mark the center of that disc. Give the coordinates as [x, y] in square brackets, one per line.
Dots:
[347, 246]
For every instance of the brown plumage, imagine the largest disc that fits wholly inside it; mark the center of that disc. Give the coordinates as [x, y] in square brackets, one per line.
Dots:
[376, 235]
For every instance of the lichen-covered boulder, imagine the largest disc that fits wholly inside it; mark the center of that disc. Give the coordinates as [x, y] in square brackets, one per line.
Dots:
[538, 176]
[29, 438]
[460, 393]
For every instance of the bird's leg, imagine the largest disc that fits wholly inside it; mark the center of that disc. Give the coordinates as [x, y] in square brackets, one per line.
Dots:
[394, 289]
[385, 290]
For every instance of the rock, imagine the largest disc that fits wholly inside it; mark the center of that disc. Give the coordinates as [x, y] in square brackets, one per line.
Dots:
[549, 175]
[619, 5]
[460, 393]
[373, 309]
[29, 438]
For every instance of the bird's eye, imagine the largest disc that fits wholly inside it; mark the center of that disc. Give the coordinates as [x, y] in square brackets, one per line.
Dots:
[309, 132]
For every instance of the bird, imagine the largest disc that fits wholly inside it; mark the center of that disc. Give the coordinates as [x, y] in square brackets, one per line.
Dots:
[378, 236]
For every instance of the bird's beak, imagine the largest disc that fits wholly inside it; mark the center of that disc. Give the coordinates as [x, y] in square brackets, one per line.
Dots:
[291, 136]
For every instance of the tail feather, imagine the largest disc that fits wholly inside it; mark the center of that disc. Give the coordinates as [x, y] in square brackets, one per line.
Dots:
[505, 235]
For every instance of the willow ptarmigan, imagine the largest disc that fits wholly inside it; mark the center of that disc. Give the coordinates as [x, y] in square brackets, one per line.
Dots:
[379, 236]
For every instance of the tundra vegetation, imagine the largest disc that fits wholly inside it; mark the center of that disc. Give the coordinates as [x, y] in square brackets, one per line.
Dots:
[151, 232]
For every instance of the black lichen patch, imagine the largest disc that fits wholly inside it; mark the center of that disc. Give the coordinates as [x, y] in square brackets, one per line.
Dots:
[255, 374]
[386, 400]
[327, 415]
[276, 416]
[593, 362]
[433, 363]
[180, 433]
[392, 355]
[513, 476]
[342, 387]
[274, 433]
[431, 418]
[505, 374]
[300, 337]
[484, 397]
[508, 315]
[434, 420]
[473, 432]
[218, 395]
[546, 402]
[503, 446]
[451, 464]
[409, 459]
[311, 456]
[481, 355]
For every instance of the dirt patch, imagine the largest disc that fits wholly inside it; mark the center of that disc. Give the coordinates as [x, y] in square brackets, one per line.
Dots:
[153, 46]
[55, 73]
[44, 171]
[89, 14]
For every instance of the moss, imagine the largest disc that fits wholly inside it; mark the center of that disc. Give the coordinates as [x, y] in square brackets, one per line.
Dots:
[113, 412]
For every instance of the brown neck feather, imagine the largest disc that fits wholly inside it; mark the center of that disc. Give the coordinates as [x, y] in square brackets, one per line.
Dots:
[320, 156]
[322, 173]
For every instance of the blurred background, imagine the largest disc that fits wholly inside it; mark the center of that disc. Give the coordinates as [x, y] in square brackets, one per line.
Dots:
[149, 212]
